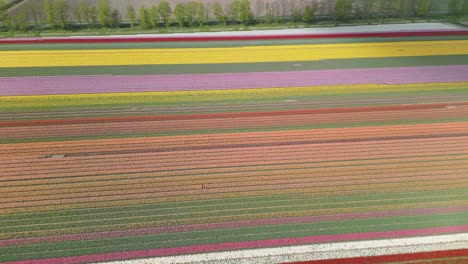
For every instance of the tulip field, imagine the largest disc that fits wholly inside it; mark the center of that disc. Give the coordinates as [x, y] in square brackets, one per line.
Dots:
[154, 150]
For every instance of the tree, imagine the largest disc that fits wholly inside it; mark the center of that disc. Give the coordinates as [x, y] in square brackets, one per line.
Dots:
[399, 8]
[36, 12]
[408, 8]
[293, 11]
[454, 7]
[22, 20]
[269, 14]
[77, 14]
[423, 8]
[104, 13]
[465, 7]
[145, 22]
[61, 13]
[115, 18]
[50, 12]
[84, 10]
[3, 14]
[179, 13]
[309, 13]
[93, 14]
[219, 13]
[343, 9]
[234, 11]
[191, 11]
[411, 8]
[154, 17]
[275, 8]
[245, 12]
[131, 15]
[164, 9]
[202, 15]
[296, 15]
[259, 8]
[367, 8]
[385, 7]
[284, 8]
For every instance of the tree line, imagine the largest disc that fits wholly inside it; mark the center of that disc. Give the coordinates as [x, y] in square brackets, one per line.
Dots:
[64, 14]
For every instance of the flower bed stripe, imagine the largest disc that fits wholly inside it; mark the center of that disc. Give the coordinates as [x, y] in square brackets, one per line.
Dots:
[219, 97]
[250, 244]
[155, 83]
[231, 115]
[230, 55]
[456, 256]
[442, 245]
[226, 225]
[412, 61]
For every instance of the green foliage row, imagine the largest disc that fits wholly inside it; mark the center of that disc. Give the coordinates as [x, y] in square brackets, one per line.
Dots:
[150, 17]
[56, 13]
[458, 7]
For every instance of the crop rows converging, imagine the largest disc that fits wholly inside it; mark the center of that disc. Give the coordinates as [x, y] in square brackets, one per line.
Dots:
[114, 152]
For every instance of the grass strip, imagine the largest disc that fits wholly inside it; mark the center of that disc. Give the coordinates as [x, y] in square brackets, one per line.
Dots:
[215, 44]
[412, 61]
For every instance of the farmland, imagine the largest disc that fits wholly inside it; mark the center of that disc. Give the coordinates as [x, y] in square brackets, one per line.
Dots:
[121, 151]
[62, 17]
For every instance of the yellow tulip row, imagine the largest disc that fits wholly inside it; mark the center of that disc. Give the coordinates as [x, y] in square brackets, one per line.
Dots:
[46, 58]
